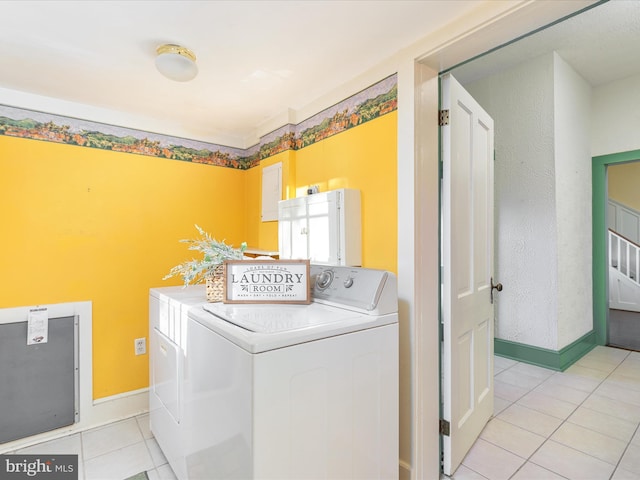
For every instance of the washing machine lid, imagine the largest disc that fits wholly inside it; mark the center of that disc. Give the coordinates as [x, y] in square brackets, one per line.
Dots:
[264, 327]
[278, 318]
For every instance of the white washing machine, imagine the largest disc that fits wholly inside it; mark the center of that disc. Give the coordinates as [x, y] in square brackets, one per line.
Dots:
[290, 391]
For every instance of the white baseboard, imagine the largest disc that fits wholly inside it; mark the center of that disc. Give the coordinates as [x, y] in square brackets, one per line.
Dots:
[102, 412]
[120, 396]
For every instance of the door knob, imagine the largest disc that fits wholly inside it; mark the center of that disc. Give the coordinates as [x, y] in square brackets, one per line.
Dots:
[497, 286]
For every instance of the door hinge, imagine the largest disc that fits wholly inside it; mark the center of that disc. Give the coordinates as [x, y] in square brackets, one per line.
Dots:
[444, 427]
[443, 117]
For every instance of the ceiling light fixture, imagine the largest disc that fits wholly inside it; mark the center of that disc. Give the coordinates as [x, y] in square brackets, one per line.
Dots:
[176, 63]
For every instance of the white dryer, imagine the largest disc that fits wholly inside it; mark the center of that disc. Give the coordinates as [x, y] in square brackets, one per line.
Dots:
[293, 391]
[168, 308]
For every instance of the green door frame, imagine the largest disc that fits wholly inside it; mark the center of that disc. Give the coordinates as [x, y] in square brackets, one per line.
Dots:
[599, 222]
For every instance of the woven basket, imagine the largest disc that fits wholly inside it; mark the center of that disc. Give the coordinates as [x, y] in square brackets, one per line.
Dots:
[215, 284]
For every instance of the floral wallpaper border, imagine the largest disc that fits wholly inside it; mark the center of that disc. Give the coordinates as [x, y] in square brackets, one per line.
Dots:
[372, 102]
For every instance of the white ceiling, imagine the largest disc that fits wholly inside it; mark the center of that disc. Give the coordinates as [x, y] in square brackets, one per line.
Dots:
[259, 58]
[601, 44]
[256, 59]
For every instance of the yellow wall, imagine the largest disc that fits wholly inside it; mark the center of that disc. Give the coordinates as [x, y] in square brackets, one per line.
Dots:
[623, 184]
[363, 158]
[85, 224]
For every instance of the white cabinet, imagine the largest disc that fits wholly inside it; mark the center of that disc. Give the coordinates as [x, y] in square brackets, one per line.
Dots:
[325, 228]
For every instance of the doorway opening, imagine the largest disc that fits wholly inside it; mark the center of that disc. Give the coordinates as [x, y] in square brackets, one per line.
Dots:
[602, 315]
[622, 249]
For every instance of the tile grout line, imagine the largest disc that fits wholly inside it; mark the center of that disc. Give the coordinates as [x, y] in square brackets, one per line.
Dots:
[634, 433]
[528, 459]
[565, 421]
[84, 468]
[495, 416]
[147, 447]
[625, 451]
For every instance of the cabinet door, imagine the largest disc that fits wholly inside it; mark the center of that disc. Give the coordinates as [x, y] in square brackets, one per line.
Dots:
[293, 229]
[323, 228]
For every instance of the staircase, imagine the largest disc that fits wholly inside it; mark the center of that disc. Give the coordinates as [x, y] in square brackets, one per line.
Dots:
[624, 265]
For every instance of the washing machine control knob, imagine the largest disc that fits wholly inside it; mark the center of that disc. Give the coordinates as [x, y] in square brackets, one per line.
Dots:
[348, 282]
[324, 279]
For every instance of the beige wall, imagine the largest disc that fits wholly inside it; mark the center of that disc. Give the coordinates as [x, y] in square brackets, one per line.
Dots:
[624, 184]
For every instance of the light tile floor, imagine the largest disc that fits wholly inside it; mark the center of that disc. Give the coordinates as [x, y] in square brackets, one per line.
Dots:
[112, 452]
[581, 424]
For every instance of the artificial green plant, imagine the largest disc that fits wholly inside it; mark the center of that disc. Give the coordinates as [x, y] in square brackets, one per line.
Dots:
[215, 253]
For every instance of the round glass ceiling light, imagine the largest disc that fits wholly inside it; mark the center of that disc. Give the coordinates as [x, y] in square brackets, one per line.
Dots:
[176, 63]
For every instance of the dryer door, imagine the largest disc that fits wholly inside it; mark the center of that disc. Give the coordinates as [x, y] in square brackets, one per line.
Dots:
[166, 371]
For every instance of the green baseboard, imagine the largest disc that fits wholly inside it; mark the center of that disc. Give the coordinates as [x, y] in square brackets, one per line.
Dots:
[558, 360]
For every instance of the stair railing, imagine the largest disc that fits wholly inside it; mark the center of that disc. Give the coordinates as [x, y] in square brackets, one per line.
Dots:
[624, 256]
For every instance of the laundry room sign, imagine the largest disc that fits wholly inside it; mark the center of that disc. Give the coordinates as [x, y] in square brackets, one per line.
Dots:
[267, 281]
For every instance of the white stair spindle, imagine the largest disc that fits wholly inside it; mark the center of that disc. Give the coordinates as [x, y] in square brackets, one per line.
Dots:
[611, 240]
[627, 259]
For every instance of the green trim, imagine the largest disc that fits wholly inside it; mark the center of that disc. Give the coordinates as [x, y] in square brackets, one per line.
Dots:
[599, 232]
[558, 360]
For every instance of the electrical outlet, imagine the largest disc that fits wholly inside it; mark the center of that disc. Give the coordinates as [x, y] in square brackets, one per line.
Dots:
[140, 345]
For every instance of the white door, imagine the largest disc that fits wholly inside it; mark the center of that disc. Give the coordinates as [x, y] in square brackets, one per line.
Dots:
[467, 259]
